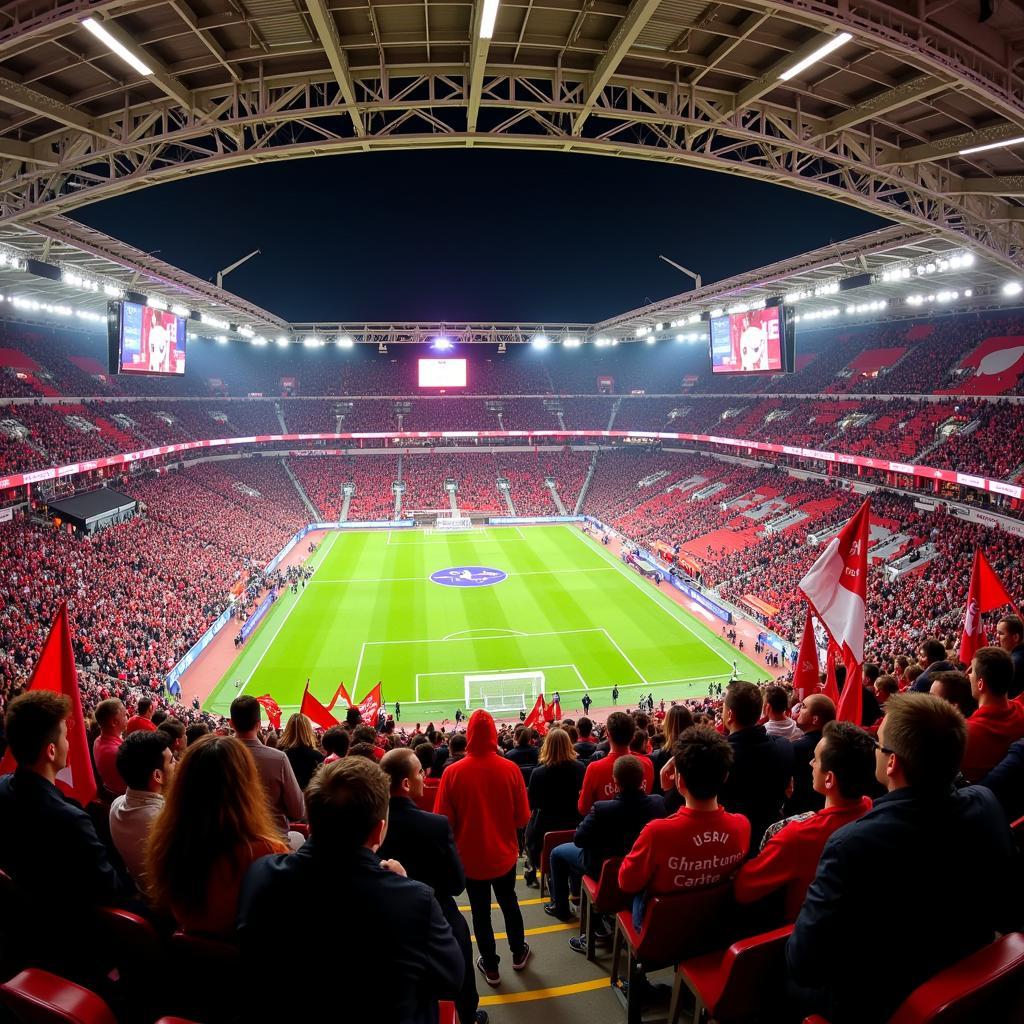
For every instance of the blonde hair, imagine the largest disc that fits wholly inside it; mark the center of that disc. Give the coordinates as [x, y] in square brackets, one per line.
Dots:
[297, 733]
[557, 748]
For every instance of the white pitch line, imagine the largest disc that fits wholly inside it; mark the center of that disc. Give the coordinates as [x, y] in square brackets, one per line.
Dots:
[624, 572]
[421, 579]
[457, 640]
[625, 657]
[270, 642]
[496, 634]
[359, 665]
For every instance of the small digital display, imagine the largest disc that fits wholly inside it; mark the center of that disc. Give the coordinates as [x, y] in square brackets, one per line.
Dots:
[749, 342]
[442, 373]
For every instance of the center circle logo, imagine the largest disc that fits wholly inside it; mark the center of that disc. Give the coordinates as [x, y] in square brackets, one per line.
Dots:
[468, 576]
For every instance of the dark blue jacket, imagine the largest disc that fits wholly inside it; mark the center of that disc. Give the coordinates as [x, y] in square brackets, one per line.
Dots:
[757, 782]
[335, 934]
[1006, 780]
[804, 798]
[611, 827]
[1018, 671]
[923, 683]
[888, 881]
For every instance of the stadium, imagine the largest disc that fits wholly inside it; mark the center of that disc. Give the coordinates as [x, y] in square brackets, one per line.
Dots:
[424, 598]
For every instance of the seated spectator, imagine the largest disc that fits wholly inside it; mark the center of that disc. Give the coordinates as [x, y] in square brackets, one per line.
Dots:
[762, 764]
[335, 743]
[843, 772]
[610, 829]
[597, 781]
[174, 729]
[585, 746]
[701, 844]
[1010, 636]
[931, 656]
[143, 717]
[815, 713]
[48, 844]
[146, 763]
[955, 687]
[926, 825]
[299, 745]
[215, 823]
[778, 723]
[554, 792]
[112, 718]
[1006, 780]
[284, 798]
[999, 721]
[677, 720]
[402, 940]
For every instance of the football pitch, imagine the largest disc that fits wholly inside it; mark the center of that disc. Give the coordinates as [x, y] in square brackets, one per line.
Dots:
[502, 599]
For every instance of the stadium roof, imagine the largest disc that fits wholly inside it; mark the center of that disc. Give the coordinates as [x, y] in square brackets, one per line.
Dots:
[917, 116]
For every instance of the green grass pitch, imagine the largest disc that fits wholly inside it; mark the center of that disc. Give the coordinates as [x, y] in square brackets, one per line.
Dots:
[568, 608]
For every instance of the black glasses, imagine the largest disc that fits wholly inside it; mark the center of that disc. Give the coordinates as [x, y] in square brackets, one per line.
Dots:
[884, 750]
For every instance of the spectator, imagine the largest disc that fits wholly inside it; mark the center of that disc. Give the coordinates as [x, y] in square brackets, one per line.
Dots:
[174, 729]
[843, 772]
[48, 844]
[885, 687]
[955, 687]
[215, 823]
[335, 743]
[815, 713]
[284, 798]
[484, 799]
[1006, 780]
[524, 753]
[677, 720]
[554, 792]
[597, 781]
[1010, 636]
[146, 763]
[112, 718]
[195, 732]
[778, 723]
[762, 764]
[423, 844]
[402, 939]
[871, 711]
[299, 746]
[701, 844]
[999, 721]
[931, 656]
[456, 751]
[585, 746]
[143, 717]
[921, 822]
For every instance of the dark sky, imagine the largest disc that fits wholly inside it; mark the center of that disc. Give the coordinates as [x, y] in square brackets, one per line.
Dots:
[469, 234]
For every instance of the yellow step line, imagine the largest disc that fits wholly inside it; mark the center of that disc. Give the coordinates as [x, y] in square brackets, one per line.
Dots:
[546, 993]
[522, 903]
[574, 925]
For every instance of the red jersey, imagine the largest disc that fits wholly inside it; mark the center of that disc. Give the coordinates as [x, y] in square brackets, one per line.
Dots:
[137, 722]
[790, 858]
[104, 754]
[990, 731]
[687, 850]
[598, 783]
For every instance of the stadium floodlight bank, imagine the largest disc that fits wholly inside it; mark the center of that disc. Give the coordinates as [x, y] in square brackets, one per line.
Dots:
[503, 691]
[453, 523]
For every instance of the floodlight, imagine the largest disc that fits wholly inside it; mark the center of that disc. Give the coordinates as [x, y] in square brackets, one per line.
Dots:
[1012, 288]
[312, 342]
[222, 339]
[345, 341]
[540, 341]
[823, 51]
[282, 342]
[651, 340]
[992, 145]
[115, 47]
[259, 340]
[441, 344]
[487, 19]
[571, 343]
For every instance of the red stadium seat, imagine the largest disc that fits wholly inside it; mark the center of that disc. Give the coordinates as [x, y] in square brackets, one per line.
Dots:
[213, 968]
[602, 897]
[674, 928]
[1017, 828]
[446, 1013]
[731, 984]
[174, 1020]
[551, 840]
[38, 997]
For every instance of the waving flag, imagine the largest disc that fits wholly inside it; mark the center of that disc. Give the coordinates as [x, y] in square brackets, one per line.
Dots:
[986, 594]
[315, 711]
[836, 587]
[831, 687]
[55, 671]
[806, 675]
[369, 706]
[272, 708]
[340, 692]
[537, 718]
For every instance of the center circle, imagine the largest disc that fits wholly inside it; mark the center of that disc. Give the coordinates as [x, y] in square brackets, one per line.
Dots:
[468, 576]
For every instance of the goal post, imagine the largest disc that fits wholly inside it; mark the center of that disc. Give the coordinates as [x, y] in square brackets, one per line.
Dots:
[452, 523]
[503, 691]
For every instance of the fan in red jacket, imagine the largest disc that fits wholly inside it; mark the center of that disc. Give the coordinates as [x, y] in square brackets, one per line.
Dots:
[597, 782]
[484, 798]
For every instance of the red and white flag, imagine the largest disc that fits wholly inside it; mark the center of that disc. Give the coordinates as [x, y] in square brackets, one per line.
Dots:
[369, 706]
[340, 692]
[315, 711]
[272, 708]
[831, 687]
[836, 587]
[807, 674]
[55, 671]
[986, 594]
[537, 718]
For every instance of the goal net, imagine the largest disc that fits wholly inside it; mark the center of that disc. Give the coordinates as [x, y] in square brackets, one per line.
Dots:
[451, 524]
[503, 691]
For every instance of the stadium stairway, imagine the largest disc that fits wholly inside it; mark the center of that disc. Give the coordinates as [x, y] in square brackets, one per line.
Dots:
[301, 491]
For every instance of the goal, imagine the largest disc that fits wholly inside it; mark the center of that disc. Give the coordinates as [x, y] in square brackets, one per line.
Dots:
[503, 691]
[452, 523]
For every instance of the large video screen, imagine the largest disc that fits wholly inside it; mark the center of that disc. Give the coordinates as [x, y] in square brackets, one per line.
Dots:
[147, 341]
[752, 342]
[442, 373]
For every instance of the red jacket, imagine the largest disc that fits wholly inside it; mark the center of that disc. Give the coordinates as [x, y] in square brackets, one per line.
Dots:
[598, 783]
[484, 798]
[990, 731]
[790, 858]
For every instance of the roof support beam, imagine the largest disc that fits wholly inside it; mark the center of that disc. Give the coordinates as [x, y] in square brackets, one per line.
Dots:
[952, 144]
[44, 105]
[330, 39]
[724, 48]
[188, 16]
[477, 65]
[885, 102]
[639, 13]
[1009, 185]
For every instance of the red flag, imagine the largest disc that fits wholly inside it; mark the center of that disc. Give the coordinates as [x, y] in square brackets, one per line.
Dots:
[806, 678]
[272, 708]
[55, 671]
[836, 587]
[831, 687]
[315, 711]
[369, 706]
[341, 692]
[536, 719]
[986, 594]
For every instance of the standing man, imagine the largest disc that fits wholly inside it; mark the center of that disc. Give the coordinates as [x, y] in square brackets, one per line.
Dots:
[1010, 636]
[484, 798]
[143, 717]
[111, 717]
[398, 711]
[815, 713]
[931, 656]
[586, 702]
[999, 721]
[598, 783]
[615, 695]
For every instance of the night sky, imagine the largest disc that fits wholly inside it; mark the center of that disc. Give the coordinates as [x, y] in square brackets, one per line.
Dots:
[469, 234]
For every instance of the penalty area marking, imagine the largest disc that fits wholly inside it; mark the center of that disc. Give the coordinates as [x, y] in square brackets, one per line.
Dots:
[495, 634]
[504, 669]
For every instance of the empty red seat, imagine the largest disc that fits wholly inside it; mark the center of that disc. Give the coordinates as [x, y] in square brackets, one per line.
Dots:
[600, 897]
[551, 840]
[37, 997]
